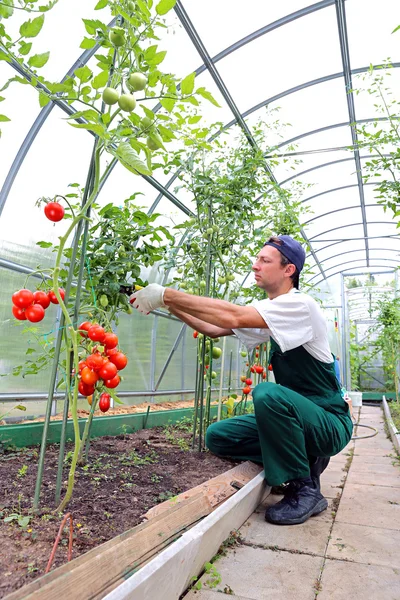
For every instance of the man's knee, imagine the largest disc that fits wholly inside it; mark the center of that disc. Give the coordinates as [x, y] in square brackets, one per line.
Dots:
[265, 394]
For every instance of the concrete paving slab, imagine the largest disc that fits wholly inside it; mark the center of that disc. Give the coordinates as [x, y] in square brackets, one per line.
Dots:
[352, 581]
[332, 481]
[362, 464]
[372, 477]
[372, 545]
[387, 459]
[367, 504]
[376, 445]
[258, 574]
[310, 537]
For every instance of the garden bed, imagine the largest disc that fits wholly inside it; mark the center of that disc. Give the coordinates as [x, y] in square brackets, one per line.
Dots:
[126, 476]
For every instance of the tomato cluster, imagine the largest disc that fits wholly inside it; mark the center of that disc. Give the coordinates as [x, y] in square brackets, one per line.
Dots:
[100, 367]
[31, 306]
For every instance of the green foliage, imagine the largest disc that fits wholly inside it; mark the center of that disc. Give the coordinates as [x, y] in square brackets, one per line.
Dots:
[388, 340]
[21, 520]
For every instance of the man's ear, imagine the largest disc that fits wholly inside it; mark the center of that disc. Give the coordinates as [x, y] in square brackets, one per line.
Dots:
[290, 270]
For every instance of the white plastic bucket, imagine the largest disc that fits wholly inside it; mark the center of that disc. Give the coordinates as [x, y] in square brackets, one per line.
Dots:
[356, 398]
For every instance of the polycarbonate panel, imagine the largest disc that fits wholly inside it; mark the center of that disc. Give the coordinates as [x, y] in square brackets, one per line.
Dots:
[134, 333]
[211, 18]
[317, 30]
[336, 249]
[365, 103]
[376, 213]
[369, 28]
[335, 199]
[44, 172]
[384, 228]
[329, 262]
[389, 243]
[338, 233]
[167, 332]
[342, 217]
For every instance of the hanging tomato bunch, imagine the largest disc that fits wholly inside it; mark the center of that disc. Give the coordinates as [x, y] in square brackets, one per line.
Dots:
[101, 365]
[31, 306]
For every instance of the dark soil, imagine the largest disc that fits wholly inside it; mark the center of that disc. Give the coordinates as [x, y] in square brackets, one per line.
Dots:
[126, 475]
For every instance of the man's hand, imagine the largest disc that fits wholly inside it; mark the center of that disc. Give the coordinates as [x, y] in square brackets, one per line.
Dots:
[149, 298]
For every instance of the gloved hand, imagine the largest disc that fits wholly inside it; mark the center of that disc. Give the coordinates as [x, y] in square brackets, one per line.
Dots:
[149, 298]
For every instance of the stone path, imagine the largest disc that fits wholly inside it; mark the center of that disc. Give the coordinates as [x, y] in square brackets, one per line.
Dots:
[349, 552]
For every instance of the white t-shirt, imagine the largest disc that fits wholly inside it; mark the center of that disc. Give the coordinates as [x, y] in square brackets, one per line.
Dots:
[294, 319]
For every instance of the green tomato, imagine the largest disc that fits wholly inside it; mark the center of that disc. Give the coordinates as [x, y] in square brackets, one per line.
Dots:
[221, 279]
[216, 352]
[131, 6]
[230, 277]
[182, 285]
[180, 270]
[189, 291]
[127, 102]
[110, 96]
[209, 232]
[117, 36]
[216, 340]
[202, 284]
[103, 300]
[206, 360]
[200, 336]
[215, 228]
[213, 375]
[195, 247]
[146, 123]
[137, 81]
[151, 144]
[243, 353]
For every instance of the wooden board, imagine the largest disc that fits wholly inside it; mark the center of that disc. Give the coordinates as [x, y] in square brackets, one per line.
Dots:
[217, 489]
[90, 575]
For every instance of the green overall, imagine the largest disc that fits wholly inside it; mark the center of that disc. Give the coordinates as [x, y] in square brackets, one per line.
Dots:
[301, 416]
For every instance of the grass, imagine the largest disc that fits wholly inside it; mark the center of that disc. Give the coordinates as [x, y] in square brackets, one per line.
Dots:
[395, 412]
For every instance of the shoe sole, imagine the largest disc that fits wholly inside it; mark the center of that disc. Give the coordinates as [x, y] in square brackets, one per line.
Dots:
[318, 508]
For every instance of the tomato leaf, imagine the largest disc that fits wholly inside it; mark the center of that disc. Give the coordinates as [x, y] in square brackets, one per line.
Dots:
[25, 48]
[100, 80]
[131, 160]
[38, 60]
[6, 11]
[207, 95]
[83, 73]
[87, 43]
[31, 29]
[187, 85]
[101, 4]
[97, 129]
[168, 103]
[165, 6]
[44, 244]
[43, 99]
[3, 119]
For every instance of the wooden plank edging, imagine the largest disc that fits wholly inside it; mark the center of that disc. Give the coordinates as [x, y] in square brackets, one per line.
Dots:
[394, 433]
[169, 574]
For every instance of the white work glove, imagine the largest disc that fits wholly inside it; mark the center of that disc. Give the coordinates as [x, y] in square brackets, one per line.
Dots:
[149, 298]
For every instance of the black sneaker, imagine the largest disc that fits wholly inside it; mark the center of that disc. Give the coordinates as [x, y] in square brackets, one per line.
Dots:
[299, 504]
[316, 468]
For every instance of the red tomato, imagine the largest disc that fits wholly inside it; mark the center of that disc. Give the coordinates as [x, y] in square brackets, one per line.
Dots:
[246, 390]
[264, 375]
[243, 378]
[119, 360]
[259, 369]
[81, 365]
[95, 361]
[53, 297]
[23, 298]
[19, 313]
[112, 383]
[269, 367]
[90, 399]
[252, 369]
[249, 381]
[104, 402]
[257, 354]
[88, 376]
[257, 347]
[108, 370]
[110, 340]
[34, 313]
[111, 352]
[54, 211]
[84, 389]
[195, 334]
[96, 333]
[40, 297]
[83, 328]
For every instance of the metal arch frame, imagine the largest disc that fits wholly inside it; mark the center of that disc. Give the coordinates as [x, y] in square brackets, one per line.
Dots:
[344, 47]
[352, 262]
[337, 189]
[376, 237]
[351, 225]
[331, 212]
[358, 250]
[198, 44]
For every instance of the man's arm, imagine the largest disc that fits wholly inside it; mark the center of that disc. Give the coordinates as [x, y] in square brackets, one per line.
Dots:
[201, 326]
[221, 313]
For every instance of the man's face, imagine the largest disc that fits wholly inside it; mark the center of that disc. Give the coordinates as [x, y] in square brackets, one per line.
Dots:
[268, 271]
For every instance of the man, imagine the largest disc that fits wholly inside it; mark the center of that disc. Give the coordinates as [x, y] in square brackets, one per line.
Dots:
[298, 422]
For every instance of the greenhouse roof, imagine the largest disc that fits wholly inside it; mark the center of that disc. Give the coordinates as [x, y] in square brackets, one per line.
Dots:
[308, 60]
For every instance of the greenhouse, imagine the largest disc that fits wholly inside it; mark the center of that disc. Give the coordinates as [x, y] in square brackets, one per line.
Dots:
[200, 310]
